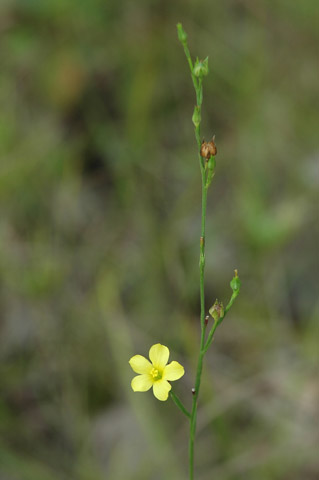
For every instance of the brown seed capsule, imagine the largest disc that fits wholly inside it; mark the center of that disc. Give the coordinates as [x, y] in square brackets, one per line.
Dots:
[208, 149]
[212, 146]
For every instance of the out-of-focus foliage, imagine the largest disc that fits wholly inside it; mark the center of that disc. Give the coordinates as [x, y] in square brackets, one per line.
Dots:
[99, 237]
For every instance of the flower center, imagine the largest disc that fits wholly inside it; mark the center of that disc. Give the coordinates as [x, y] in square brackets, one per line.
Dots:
[156, 374]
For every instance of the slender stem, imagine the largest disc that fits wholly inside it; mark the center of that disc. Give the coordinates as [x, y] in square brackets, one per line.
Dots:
[207, 173]
[179, 404]
[203, 328]
[210, 336]
[230, 303]
[197, 82]
[190, 63]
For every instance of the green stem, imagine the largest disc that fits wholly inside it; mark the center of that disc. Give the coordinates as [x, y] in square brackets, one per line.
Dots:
[211, 335]
[203, 328]
[197, 82]
[230, 303]
[179, 404]
[207, 173]
[199, 98]
[190, 63]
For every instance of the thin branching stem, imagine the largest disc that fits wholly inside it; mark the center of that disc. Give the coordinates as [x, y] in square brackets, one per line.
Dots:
[179, 404]
[207, 169]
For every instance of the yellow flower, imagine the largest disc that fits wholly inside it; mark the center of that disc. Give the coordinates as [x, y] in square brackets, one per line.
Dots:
[155, 374]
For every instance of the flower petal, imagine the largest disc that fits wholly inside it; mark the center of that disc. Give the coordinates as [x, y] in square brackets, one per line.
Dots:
[140, 364]
[173, 371]
[161, 389]
[142, 383]
[159, 355]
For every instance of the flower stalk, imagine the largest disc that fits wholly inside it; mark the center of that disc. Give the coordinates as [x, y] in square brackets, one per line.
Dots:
[179, 404]
[206, 156]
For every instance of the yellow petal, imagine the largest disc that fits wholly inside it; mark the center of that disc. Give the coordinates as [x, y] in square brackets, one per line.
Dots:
[142, 383]
[140, 364]
[159, 355]
[161, 389]
[173, 371]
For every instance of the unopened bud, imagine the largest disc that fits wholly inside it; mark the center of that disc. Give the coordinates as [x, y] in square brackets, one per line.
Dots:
[182, 35]
[217, 310]
[235, 283]
[211, 164]
[201, 68]
[196, 118]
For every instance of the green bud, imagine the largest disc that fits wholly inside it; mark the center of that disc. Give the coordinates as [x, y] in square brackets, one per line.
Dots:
[196, 118]
[217, 310]
[235, 283]
[210, 165]
[182, 35]
[201, 68]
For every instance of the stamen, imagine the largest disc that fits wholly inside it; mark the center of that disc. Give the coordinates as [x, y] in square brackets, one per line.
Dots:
[154, 372]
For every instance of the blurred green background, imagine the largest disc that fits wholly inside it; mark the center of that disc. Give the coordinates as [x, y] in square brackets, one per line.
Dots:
[99, 237]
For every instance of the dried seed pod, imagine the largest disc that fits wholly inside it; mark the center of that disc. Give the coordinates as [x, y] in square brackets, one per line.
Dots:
[205, 151]
[212, 146]
[208, 149]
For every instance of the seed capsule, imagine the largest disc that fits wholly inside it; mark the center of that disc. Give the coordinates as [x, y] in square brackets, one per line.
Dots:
[217, 310]
[208, 149]
[201, 68]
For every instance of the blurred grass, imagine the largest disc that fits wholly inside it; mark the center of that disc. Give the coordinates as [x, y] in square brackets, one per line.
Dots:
[100, 203]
